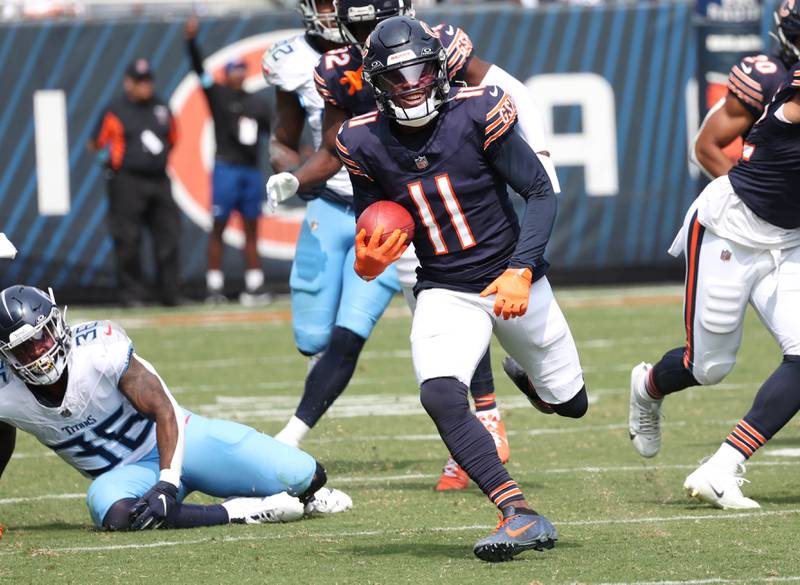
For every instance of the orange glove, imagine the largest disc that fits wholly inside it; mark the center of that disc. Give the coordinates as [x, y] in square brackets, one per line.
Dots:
[512, 288]
[372, 259]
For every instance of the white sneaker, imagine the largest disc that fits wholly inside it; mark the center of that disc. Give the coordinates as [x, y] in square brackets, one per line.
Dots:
[328, 501]
[644, 414]
[278, 508]
[719, 486]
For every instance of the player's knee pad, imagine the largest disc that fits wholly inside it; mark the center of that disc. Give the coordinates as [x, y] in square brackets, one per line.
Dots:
[575, 407]
[118, 516]
[711, 368]
[722, 306]
[311, 340]
[318, 481]
[443, 397]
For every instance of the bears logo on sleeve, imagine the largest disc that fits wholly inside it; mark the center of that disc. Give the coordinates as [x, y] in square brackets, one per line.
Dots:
[501, 118]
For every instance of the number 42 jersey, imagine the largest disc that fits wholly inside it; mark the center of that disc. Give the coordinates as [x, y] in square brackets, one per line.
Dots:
[95, 428]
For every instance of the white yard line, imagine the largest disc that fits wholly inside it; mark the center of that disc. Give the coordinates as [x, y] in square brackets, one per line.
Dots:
[6, 501]
[710, 581]
[354, 534]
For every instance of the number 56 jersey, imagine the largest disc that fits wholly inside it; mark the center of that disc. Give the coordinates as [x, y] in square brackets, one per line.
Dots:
[465, 226]
[95, 428]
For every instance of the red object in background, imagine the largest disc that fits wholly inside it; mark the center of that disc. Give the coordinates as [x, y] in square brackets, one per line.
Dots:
[392, 216]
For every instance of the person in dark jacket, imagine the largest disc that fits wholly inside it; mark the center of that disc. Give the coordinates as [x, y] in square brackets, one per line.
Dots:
[136, 133]
[240, 119]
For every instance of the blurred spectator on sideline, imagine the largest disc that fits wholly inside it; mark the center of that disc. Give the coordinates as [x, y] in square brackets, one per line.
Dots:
[240, 120]
[135, 135]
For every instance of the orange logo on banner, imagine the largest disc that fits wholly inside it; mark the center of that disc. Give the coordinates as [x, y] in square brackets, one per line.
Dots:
[191, 171]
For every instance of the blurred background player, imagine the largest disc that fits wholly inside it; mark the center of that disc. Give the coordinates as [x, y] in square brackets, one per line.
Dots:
[339, 82]
[136, 133]
[85, 394]
[741, 241]
[448, 156]
[751, 84]
[240, 119]
[333, 310]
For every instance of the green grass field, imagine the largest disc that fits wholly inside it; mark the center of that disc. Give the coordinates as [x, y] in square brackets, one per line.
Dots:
[621, 519]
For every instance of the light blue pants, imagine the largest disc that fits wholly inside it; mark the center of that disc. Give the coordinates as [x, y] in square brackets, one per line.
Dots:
[221, 459]
[326, 291]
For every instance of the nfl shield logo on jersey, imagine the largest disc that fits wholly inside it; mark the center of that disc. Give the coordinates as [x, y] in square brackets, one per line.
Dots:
[421, 162]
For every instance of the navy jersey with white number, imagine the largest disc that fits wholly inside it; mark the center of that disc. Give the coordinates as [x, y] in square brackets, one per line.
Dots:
[767, 177]
[338, 72]
[446, 176]
[754, 80]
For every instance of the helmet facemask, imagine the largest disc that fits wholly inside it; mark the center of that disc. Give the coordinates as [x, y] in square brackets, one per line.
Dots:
[412, 92]
[321, 23]
[38, 353]
[357, 22]
[787, 32]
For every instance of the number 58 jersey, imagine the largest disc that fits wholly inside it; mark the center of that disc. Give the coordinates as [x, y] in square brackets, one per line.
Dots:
[95, 428]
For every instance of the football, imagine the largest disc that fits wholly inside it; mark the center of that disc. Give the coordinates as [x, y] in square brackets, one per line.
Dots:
[392, 216]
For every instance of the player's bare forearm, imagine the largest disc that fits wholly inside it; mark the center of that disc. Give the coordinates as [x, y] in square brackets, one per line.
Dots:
[319, 167]
[324, 163]
[8, 439]
[719, 130]
[792, 109]
[145, 391]
[284, 142]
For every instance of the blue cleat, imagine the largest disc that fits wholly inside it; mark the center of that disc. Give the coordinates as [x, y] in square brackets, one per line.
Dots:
[515, 533]
[521, 380]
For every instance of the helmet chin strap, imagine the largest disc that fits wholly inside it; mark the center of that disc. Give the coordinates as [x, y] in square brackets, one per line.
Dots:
[417, 116]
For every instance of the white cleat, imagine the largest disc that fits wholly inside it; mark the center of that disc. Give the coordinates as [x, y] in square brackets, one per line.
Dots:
[328, 501]
[644, 414]
[278, 508]
[718, 486]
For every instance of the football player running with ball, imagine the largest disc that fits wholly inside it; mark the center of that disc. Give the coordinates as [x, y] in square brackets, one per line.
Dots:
[447, 155]
[333, 312]
[85, 394]
[741, 241]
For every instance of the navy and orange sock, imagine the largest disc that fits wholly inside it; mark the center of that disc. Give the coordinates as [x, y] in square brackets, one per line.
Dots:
[486, 402]
[506, 494]
[746, 439]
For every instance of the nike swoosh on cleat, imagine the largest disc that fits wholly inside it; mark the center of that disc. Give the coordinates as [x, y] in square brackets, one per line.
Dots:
[519, 531]
[716, 493]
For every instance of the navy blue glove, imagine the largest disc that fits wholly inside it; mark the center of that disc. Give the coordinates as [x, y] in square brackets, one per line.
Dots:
[152, 509]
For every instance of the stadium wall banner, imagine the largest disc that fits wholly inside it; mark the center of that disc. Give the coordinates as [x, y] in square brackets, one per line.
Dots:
[616, 85]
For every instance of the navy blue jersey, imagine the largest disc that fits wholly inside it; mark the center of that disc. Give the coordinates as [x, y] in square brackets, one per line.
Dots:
[340, 83]
[767, 177]
[754, 80]
[451, 180]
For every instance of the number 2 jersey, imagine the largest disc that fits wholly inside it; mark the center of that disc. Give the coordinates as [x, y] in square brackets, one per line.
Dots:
[95, 428]
[289, 66]
[767, 177]
[452, 178]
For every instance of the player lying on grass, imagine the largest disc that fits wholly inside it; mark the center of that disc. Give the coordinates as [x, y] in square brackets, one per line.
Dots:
[86, 395]
[448, 155]
[741, 241]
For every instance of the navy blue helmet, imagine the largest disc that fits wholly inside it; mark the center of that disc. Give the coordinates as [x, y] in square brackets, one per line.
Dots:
[35, 341]
[406, 66]
[787, 21]
[357, 18]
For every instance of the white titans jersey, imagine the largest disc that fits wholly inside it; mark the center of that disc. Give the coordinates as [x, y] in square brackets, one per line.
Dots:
[289, 66]
[95, 428]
